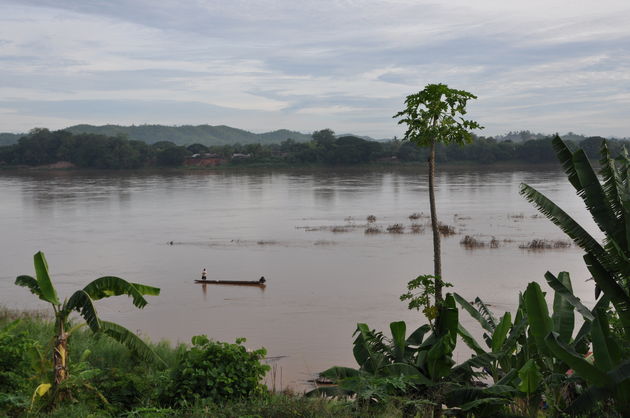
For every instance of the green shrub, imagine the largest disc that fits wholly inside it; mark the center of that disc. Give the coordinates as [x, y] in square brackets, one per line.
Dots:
[14, 366]
[217, 371]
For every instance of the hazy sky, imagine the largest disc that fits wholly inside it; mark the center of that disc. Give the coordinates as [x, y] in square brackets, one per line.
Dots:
[547, 66]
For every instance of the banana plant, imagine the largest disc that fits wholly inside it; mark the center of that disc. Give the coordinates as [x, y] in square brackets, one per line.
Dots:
[517, 354]
[414, 359]
[82, 301]
[503, 338]
[609, 204]
[608, 377]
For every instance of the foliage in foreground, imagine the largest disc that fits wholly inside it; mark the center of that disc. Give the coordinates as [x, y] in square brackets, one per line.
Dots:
[81, 301]
[535, 362]
[106, 378]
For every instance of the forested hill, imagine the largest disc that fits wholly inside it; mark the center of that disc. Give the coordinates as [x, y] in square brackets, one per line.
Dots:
[188, 134]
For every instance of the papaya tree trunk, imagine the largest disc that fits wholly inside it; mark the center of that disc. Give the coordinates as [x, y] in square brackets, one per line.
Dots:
[437, 257]
[60, 353]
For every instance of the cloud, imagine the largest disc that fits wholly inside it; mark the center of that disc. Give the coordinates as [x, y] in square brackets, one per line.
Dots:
[342, 64]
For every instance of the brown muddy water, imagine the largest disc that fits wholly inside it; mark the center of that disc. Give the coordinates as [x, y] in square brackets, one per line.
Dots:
[279, 224]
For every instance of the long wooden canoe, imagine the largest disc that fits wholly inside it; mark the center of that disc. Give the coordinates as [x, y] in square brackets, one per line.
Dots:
[233, 282]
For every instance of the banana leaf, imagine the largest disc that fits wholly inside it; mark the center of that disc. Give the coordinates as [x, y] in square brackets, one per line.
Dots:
[621, 373]
[485, 324]
[564, 290]
[563, 317]
[398, 329]
[469, 340]
[611, 181]
[337, 373]
[611, 289]
[605, 349]
[47, 290]
[565, 155]
[131, 341]
[508, 378]
[595, 199]
[530, 377]
[417, 336]
[82, 303]
[31, 284]
[107, 286]
[538, 316]
[368, 349]
[582, 368]
[404, 370]
[501, 331]
[565, 222]
[440, 357]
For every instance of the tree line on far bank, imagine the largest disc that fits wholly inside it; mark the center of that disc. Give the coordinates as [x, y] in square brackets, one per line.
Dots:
[43, 147]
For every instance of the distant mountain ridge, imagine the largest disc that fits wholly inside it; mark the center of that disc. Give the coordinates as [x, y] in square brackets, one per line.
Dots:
[189, 134]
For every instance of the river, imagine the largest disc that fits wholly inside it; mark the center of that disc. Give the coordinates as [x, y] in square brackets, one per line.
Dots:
[304, 230]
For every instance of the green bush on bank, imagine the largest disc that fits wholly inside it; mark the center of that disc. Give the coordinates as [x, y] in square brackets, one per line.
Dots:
[107, 378]
[217, 372]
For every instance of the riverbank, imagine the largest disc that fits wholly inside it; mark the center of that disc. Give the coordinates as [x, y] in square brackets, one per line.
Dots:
[107, 380]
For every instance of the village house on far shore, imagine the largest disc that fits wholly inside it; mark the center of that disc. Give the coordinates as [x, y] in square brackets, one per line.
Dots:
[208, 159]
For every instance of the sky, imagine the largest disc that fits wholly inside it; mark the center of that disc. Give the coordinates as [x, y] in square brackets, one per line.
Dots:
[540, 65]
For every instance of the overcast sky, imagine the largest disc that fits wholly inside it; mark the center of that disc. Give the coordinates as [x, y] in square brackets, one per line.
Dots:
[543, 65]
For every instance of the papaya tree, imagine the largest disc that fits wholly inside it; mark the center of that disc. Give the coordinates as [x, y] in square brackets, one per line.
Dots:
[82, 301]
[433, 116]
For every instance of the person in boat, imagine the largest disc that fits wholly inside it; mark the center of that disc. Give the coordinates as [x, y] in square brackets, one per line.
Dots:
[204, 274]
[262, 280]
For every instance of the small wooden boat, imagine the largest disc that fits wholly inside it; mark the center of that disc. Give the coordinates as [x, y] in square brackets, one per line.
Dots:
[259, 282]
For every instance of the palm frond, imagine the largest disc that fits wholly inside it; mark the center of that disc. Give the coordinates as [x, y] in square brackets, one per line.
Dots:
[131, 341]
[31, 283]
[107, 286]
[81, 302]
[565, 222]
